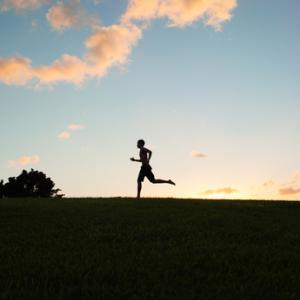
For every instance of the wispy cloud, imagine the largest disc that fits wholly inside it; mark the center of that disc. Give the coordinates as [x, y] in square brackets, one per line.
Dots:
[21, 5]
[68, 68]
[107, 46]
[24, 161]
[15, 70]
[75, 127]
[225, 190]
[289, 191]
[269, 183]
[198, 154]
[64, 15]
[285, 188]
[181, 12]
[34, 24]
[295, 178]
[64, 135]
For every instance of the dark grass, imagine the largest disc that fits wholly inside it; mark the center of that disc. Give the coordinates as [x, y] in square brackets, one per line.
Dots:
[149, 249]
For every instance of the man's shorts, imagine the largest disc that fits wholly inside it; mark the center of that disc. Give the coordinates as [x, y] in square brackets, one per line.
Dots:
[146, 172]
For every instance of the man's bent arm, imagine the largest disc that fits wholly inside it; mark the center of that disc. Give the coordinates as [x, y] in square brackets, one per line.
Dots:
[133, 159]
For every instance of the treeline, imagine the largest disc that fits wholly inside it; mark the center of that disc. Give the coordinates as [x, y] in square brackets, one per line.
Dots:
[29, 184]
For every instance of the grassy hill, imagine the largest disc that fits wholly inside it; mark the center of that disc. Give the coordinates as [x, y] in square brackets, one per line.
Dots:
[149, 249]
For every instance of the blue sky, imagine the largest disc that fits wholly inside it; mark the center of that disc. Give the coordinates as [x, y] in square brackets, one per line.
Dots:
[232, 95]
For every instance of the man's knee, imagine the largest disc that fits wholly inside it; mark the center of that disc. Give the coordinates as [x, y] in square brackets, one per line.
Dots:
[152, 180]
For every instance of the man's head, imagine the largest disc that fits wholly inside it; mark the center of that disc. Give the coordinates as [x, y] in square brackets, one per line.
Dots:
[140, 143]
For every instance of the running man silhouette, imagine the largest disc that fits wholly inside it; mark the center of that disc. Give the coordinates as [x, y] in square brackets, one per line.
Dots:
[146, 170]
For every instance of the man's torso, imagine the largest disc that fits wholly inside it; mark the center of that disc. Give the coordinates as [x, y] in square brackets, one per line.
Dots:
[144, 156]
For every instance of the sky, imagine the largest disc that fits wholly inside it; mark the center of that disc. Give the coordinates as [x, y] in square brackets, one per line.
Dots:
[211, 86]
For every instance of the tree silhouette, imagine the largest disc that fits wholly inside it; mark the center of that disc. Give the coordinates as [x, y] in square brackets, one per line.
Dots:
[1, 188]
[29, 184]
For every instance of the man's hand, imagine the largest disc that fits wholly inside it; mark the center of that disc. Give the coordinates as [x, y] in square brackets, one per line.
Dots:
[132, 158]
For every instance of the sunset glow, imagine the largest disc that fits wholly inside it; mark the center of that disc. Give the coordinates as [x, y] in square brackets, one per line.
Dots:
[212, 86]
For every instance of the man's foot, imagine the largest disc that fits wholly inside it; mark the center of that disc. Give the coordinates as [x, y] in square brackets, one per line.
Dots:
[171, 182]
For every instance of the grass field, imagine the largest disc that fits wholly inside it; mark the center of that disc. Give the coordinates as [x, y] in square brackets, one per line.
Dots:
[149, 249]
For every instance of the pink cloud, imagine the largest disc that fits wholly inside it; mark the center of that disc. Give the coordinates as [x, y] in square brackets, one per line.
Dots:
[21, 5]
[141, 10]
[289, 191]
[19, 71]
[198, 154]
[74, 127]
[67, 68]
[15, 70]
[34, 24]
[64, 135]
[269, 183]
[182, 12]
[109, 46]
[24, 161]
[63, 15]
[226, 190]
[295, 178]
[106, 47]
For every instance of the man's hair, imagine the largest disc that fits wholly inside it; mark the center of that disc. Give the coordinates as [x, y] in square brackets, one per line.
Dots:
[141, 142]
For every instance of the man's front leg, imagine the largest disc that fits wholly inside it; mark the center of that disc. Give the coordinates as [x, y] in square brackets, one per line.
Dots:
[139, 190]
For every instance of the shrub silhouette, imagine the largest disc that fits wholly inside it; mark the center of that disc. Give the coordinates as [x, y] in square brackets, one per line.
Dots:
[29, 184]
[1, 188]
